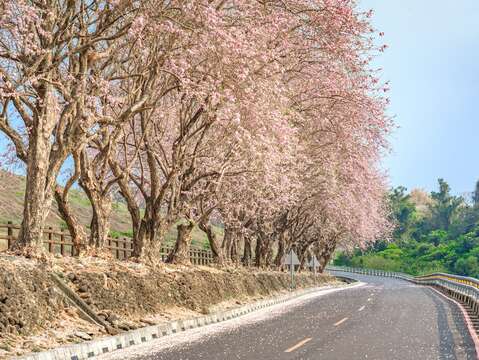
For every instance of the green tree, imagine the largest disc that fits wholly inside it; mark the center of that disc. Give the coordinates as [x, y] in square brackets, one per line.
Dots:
[442, 236]
[475, 195]
[403, 211]
[467, 266]
[436, 237]
[444, 207]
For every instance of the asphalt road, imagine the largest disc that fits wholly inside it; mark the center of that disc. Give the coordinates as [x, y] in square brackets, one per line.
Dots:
[384, 320]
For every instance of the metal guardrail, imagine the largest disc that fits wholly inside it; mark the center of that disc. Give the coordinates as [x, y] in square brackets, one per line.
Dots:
[465, 289]
[372, 272]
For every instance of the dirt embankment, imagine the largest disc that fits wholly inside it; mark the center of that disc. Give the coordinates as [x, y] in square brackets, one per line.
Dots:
[35, 315]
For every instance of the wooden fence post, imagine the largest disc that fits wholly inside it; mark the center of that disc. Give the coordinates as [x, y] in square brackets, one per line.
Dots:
[62, 242]
[125, 247]
[50, 239]
[9, 233]
[122, 252]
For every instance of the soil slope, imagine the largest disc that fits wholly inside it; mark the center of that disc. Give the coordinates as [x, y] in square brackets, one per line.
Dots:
[35, 315]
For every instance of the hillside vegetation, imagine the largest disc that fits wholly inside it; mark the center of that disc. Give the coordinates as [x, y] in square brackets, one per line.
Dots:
[435, 232]
[11, 208]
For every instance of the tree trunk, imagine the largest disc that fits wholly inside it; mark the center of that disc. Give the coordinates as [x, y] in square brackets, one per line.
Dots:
[324, 255]
[35, 211]
[215, 244]
[100, 221]
[42, 170]
[247, 254]
[302, 256]
[145, 232]
[181, 252]
[147, 245]
[304, 260]
[76, 230]
[235, 245]
[241, 243]
[278, 261]
[261, 251]
[135, 224]
[133, 209]
[269, 255]
[227, 243]
[38, 195]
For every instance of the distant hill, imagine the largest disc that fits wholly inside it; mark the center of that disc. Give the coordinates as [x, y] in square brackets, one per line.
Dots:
[12, 192]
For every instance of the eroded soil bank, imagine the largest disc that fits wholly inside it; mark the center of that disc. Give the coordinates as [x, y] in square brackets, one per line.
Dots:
[35, 315]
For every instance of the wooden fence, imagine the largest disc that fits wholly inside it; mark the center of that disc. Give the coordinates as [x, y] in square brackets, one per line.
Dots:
[59, 242]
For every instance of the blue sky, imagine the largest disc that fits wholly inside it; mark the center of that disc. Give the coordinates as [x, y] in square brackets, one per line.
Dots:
[433, 65]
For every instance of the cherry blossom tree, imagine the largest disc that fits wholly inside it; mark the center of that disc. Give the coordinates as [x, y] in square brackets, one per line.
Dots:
[55, 58]
[266, 117]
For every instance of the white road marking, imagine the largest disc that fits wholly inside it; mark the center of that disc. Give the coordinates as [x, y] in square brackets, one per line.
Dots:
[341, 321]
[361, 308]
[298, 345]
[369, 299]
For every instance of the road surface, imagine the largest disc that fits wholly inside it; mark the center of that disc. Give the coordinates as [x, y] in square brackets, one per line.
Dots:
[385, 319]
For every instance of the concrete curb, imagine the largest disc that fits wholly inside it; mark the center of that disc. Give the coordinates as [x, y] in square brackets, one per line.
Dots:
[104, 345]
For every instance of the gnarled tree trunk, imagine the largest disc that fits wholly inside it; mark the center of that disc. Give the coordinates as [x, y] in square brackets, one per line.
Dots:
[133, 208]
[42, 170]
[235, 247]
[91, 182]
[75, 229]
[150, 233]
[215, 243]
[181, 252]
[100, 222]
[278, 261]
[247, 253]
[38, 198]
[324, 254]
[303, 255]
[261, 251]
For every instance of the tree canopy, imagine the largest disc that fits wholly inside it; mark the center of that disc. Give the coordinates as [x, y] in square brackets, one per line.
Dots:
[267, 117]
[443, 236]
